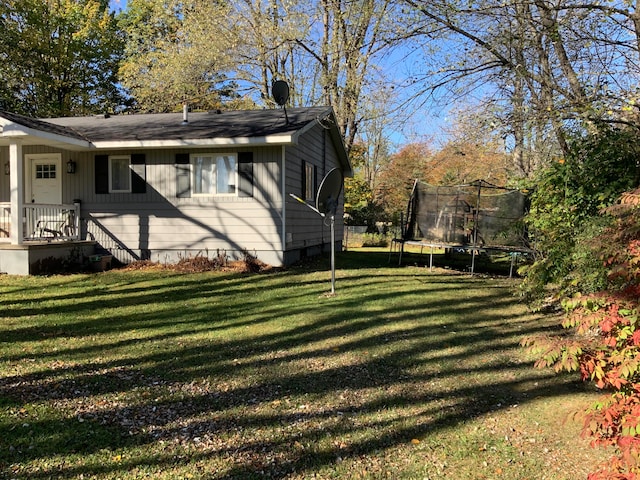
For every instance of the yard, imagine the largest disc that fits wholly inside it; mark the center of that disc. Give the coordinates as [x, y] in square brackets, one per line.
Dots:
[404, 373]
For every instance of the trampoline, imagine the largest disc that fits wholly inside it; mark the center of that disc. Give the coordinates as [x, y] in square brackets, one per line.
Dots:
[475, 217]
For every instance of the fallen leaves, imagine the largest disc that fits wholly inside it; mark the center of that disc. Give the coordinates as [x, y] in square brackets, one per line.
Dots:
[256, 392]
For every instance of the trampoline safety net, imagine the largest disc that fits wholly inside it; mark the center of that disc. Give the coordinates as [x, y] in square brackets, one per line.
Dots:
[478, 214]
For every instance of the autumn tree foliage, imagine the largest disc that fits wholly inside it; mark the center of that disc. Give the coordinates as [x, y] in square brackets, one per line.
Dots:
[604, 344]
[530, 59]
[461, 162]
[458, 162]
[360, 206]
[397, 177]
[172, 56]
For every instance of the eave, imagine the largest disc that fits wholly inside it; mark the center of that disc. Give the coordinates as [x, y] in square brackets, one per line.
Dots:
[28, 136]
[195, 143]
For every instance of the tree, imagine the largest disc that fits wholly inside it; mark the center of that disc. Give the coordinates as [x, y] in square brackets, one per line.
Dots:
[177, 53]
[529, 60]
[207, 50]
[326, 50]
[270, 30]
[353, 34]
[193, 51]
[398, 177]
[473, 152]
[360, 205]
[458, 163]
[374, 136]
[59, 58]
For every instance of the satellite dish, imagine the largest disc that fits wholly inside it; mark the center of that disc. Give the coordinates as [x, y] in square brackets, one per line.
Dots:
[280, 92]
[329, 192]
[326, 206]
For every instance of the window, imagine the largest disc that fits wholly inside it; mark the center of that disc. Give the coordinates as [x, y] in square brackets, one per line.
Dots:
[214, 174]
[120, 174]
[309, 182]
[45, 171]
[195, 174]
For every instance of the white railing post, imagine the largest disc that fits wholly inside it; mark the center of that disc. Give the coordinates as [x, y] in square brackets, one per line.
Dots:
[17, 191]
[76, 220]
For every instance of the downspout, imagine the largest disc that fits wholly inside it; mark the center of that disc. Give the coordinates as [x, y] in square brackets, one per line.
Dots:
[17, 191]
[283, 174]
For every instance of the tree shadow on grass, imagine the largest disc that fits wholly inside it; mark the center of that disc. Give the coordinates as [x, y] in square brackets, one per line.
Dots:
[298, 387]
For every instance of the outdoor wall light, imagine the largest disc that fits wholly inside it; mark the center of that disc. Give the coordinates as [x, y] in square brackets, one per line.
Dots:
[7, 168]
[71, 166]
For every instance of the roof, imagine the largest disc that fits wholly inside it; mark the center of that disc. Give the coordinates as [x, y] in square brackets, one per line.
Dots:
[44, 126]
[218, 128]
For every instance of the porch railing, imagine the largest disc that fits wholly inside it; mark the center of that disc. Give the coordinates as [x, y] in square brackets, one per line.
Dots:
[5, 219]
[44, 222]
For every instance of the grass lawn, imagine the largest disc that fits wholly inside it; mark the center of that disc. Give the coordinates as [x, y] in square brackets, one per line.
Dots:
[404, 373]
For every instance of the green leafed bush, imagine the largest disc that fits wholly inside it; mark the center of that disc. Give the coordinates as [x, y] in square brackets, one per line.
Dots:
[566, 212]
[604, 343]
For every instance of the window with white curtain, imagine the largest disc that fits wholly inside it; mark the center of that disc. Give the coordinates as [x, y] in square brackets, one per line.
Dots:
[214, 174]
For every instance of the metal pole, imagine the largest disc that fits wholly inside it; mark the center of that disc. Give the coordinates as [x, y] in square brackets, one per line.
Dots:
[333, 255]
[431, 260]
[513, 257]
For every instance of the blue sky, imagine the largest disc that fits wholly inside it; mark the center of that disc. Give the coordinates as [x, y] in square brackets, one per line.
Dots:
[117, 4]
[422, 125]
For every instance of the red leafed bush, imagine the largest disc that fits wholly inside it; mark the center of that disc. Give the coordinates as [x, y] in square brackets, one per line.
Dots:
[604, 345]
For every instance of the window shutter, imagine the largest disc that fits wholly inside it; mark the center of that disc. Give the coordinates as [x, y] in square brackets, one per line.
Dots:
[303, 185]
[138, 173]
[102, 173]
[183, 176]
[245, 174]
[315, 182]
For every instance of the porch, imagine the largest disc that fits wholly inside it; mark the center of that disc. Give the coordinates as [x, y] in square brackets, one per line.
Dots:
[41, 223]
[48, 238]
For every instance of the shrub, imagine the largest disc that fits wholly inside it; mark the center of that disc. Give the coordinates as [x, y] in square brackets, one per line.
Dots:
[565, 212]
[375, 240]
[605, 344]
[357, 240]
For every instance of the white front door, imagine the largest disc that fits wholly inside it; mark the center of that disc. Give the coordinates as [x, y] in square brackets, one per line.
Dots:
[44, 176]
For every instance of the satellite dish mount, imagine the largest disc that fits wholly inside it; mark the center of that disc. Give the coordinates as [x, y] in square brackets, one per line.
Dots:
[327, 201]
[280, 93]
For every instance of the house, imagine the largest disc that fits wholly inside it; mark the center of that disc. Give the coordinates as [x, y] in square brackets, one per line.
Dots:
[162, 187]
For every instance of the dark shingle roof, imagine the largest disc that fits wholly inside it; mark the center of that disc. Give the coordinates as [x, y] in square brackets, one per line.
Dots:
[42, 125]
[140, 130]
[200, 125]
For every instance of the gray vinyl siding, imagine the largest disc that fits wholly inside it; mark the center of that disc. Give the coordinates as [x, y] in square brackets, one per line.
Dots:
[159, 225]
[161, 179]
[163, 226]
[308, 232]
